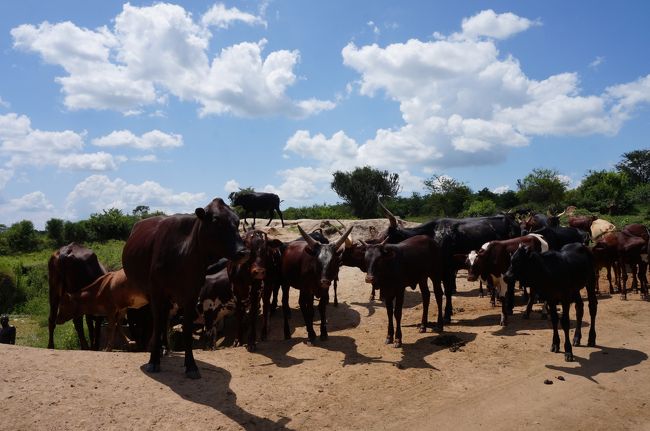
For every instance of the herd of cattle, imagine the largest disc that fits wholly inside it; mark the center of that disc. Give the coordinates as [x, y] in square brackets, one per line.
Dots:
[199, 266]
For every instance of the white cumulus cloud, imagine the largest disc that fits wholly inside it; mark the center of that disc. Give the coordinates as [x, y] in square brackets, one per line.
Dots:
[147, 141]
[158, 51]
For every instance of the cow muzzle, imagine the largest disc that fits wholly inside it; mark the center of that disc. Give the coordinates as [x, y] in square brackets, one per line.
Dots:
[370, 279]
[325, 284]
[258, 273]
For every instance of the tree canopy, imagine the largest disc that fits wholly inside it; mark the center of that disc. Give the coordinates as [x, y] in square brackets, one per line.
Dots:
[361, 187]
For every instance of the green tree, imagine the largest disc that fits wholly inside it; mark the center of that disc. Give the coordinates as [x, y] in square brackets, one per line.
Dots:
[141, 211]
[54, 228]
[21, 237]
[111, 224]
[448, 196]
[507, 200]
[603, 191]
[541, 187]
[636, 165]
[361, 188]
[481, 207]
[76, 231]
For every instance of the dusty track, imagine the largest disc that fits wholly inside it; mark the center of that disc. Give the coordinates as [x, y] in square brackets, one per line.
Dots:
[353, 380]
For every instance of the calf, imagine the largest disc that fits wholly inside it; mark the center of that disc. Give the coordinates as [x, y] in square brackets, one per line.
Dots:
[491, 262]
[393, 267]
[310, 267]
[110, 295]
[559, 276]
[215, 303]
[630, 253]
[247, 283]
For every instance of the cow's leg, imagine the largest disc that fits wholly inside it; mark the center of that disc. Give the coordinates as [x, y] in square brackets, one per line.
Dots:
[555, 345]
[481, 293]
[580, 311]
[593, 310]
[635, 283]
[568, 351]
[254, 217]
[275, 288]
[643, 269]
[609, 279]
[240, 312]
[529, 304]
[267, 291]
[336, 299]
[372, 293]
[270, 217]
[390, 337]
[426, 299]
[119, 318]
[51, 320]
[437, 291]
[254, 311]
[189, 314]
[155, 343]
[510, 297]
[624, 281]
[449, 283]
[322, 309]
[306, 301]
[525, 294]
[112, 326]
[94, 324]
[399, 303]
[280, 212]
[79, 327]
[286, 312]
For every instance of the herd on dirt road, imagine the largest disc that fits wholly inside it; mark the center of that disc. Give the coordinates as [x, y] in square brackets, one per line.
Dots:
[199, 268]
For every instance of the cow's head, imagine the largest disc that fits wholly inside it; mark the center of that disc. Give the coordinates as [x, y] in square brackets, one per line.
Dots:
[218, 232]
[519, 262]
[216, 306]
[376, 257]
[260, 252]
[327, 257]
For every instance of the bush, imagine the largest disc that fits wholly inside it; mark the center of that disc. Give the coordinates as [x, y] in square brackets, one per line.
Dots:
[324, 211]
[479, 208]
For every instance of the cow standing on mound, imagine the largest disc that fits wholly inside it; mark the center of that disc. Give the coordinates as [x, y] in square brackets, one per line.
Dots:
[559, 276]
[255, 201]
[167, 256]
[70, 268]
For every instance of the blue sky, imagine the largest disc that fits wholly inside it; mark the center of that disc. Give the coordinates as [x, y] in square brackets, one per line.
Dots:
[110, 104]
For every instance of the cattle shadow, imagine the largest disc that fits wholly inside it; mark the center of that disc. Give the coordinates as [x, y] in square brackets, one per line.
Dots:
[212, 390]
[370, 306]
[414, 354]
[606, 360]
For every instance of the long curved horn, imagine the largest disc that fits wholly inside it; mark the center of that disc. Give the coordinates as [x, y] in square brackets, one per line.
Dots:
[310, 241]
[391, 217]
[348, 240]
[341, 240]
[561, 214]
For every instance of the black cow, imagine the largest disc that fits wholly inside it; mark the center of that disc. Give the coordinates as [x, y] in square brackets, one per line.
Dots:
[559, 276]
[393, 267]
[256, 201]
[558, 237]
[454, 236]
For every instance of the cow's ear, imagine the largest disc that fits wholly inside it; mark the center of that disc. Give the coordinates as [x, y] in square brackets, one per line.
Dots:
[311, 251]
[200, 213]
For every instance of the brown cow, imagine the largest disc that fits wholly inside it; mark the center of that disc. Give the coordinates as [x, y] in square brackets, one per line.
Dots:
[215, 303]
[629, 251]
[247, 284]
[393, 267]
[492, 261]
[582, 222]
[310, 267]
[110, 296]
[168, 255]
[70, 268]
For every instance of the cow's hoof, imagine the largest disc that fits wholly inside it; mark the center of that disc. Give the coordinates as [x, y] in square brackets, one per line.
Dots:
[447, 319]
[336, 304]
[193, 374]
[440, 327]
[251, 347]
[397, 344]
[324, 337]
[568, 357]
[152, 368]
[576, 342]
[422, 328]
[503, 322]
[555, 348]
[389, 340]
[591, 343]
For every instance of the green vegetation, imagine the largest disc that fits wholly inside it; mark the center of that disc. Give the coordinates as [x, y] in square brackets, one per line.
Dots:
[361, 188]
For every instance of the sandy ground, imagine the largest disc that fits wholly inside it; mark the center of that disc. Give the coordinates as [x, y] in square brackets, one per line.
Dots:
[353, 381]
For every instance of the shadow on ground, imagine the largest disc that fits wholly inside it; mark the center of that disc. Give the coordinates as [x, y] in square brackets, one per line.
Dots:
[606, 360]
[212, 390]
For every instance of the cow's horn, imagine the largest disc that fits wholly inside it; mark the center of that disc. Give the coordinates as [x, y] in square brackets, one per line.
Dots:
[310, 241]
[391, 217]
[348, 240]
[341, 240]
